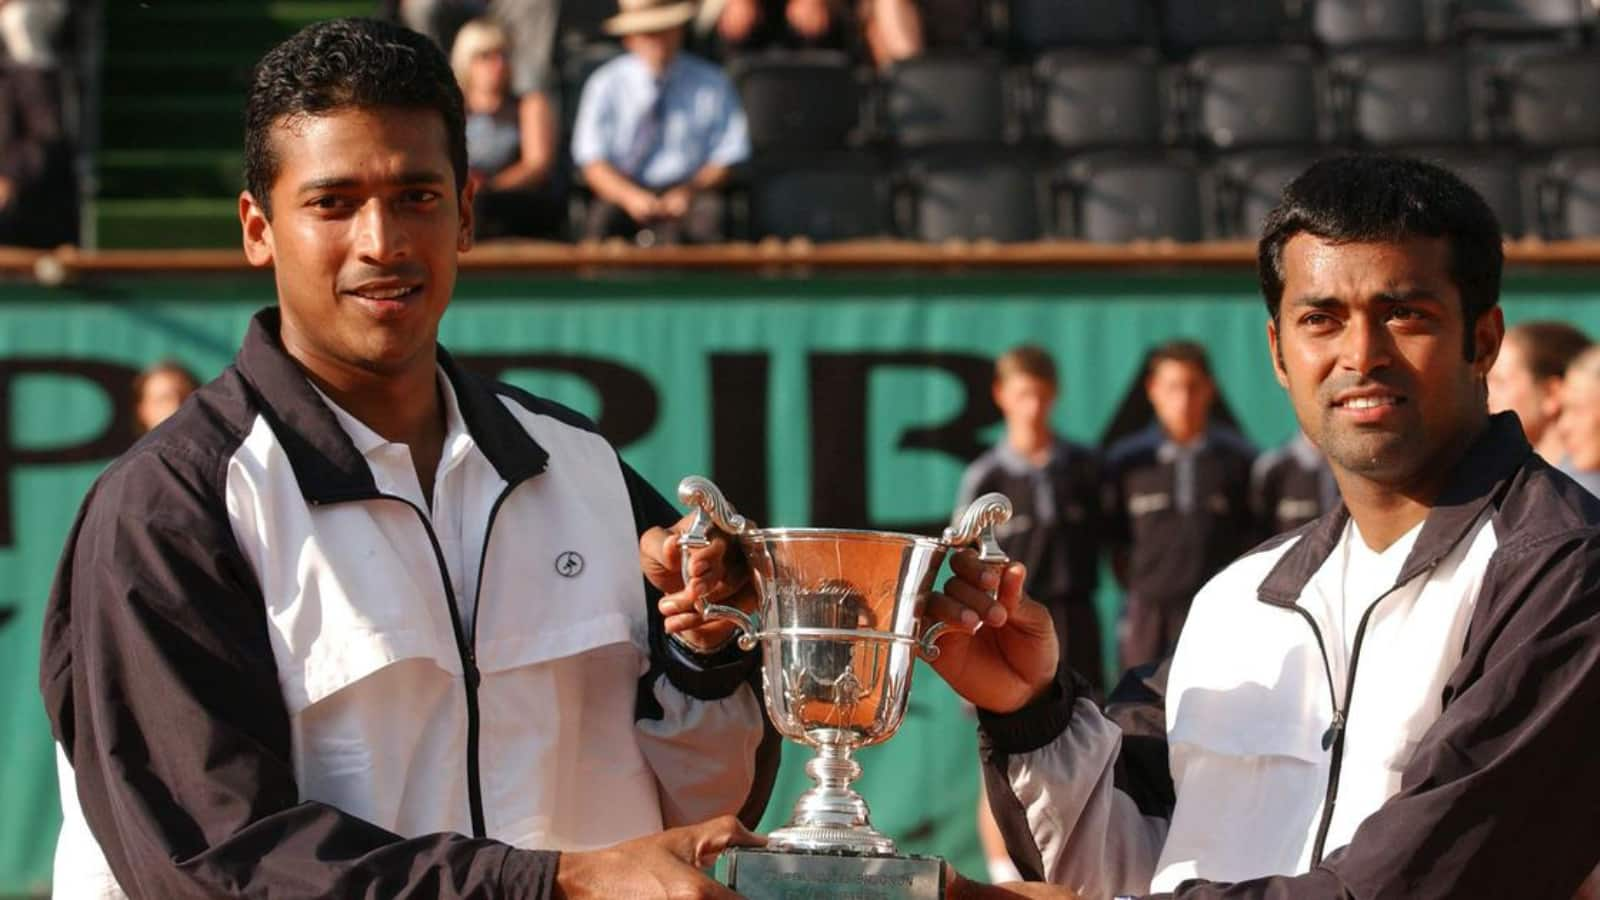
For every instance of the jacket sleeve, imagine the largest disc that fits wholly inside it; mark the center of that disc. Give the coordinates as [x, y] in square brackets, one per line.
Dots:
[159, 679]
[699, 716]
[1082, 800]
[1502, 795]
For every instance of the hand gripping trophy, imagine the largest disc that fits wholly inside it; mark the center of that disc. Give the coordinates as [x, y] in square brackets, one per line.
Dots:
[839, 621]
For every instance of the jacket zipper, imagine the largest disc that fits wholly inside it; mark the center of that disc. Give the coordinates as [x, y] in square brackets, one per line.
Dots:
[465, 643]
[1333, 738]
[469, 671]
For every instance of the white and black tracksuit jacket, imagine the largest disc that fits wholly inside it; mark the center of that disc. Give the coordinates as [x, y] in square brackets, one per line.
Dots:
[1438, 743]
[263, 680]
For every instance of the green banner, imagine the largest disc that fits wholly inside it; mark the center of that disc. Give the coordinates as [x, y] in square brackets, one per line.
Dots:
[840, 401]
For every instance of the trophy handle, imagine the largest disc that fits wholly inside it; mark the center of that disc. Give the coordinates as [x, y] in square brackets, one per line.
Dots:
[712, 508]
[976, 526]
[928, 641]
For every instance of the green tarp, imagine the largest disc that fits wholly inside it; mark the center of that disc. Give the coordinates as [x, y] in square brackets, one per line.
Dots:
[837, 401]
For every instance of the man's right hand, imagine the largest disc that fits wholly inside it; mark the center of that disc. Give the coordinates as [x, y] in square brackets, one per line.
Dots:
[1011, 659]
[665, 866]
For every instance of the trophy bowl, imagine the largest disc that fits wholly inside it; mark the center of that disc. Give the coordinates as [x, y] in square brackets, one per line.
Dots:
[840, 622]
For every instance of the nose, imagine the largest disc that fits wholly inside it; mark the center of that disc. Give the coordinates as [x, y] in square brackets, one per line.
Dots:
[1366, 346]
[381, 235]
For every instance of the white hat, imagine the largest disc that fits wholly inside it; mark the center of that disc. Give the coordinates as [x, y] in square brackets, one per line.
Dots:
[646, 16]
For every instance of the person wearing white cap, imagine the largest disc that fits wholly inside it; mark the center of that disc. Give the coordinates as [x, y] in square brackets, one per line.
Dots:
[657, 131]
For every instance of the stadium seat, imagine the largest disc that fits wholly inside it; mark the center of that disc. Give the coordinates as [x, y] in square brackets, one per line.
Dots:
[1520, 17]
[1569, 196]
[1409, 98]
[973, 195]
[1038, 25]
[1089, 99]
[824, 199]
[1498, 176]
[1554, 100]
[1192, 24]
[1252, 98]
[798, 101]
[941, 99]
[1248, 186]
[1119, 199]
[1344, 24]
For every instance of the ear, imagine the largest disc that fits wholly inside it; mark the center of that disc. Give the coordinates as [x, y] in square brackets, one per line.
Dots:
[1277, 354]
[257, 228]
[464, 235]
[1487, 335]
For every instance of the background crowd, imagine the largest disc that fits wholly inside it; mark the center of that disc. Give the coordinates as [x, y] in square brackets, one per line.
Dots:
[1005, 120]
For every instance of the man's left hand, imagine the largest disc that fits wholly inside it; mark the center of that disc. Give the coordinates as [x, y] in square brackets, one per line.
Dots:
[715, 574]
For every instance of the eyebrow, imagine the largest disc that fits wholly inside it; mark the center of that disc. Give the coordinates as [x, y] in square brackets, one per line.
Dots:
[404, 179]
[1409, 295]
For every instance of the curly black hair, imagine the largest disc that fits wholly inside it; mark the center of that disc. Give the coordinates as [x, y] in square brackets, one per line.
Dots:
[1373, 198]
[342, 64]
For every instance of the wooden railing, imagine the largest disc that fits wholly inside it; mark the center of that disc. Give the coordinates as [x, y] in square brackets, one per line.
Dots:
[798, 256]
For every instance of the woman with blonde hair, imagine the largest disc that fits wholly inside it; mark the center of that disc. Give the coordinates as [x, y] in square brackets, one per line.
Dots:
[508, 145]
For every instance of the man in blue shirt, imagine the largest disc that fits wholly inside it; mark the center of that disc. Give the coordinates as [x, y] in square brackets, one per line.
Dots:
[657, 132]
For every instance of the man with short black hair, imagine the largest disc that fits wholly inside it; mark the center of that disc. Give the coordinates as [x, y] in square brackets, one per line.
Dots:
[355, 622]
[1176, 500]
[1396, 700]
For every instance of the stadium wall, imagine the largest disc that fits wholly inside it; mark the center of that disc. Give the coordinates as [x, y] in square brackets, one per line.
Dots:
[846, 401]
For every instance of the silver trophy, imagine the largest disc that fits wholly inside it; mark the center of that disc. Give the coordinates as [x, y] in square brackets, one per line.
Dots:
[839, 621]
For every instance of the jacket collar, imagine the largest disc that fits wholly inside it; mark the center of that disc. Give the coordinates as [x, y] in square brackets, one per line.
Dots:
[1481, 478]
[326, 463]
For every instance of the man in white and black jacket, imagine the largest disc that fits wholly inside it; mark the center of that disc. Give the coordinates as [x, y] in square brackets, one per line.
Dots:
[357, 623]
[1395, 700]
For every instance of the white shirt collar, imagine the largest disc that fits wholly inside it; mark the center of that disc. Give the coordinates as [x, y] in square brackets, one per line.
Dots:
[457, 439]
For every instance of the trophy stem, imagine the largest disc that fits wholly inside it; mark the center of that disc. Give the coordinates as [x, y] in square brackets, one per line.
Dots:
[831, 817]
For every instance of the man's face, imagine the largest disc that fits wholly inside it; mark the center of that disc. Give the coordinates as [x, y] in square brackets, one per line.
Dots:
[1512, 386]
[656, 49]
[1025, 402]
[1368, 343]
[1580, 420]
[364, 235]
[1181, 394]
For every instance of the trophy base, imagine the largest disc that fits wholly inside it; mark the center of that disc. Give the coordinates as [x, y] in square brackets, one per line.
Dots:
[772, 875]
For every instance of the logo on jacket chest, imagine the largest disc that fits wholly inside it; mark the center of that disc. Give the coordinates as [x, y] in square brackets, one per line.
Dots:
[569, 564]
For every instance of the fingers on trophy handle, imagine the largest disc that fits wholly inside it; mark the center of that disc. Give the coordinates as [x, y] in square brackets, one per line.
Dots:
[975, 526]
[711, 508]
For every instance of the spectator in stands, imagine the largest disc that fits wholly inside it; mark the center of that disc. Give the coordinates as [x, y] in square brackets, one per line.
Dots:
[38, 193]
[509, 142]
[527, 36]
[1290, 486]
[1526, 379]
[1580, 420]
[891, 29]
[1054, 489]
[658, 132]
[158, 391]
[1176, 500]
